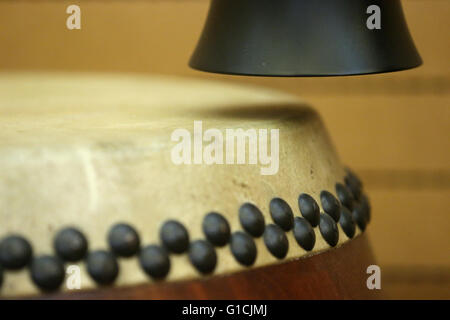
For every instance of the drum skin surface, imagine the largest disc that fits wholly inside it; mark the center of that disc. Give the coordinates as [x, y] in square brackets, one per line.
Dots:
[95, 205]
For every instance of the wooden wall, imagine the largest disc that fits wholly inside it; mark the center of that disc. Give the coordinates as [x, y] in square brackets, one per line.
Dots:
[393, 129]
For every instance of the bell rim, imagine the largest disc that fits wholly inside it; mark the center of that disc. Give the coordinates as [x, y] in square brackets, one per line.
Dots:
[305, 75]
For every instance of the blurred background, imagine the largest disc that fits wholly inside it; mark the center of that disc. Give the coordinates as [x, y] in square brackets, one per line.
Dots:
[392, 129]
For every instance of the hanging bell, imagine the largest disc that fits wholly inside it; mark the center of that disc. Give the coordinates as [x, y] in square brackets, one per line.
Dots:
[305, 38]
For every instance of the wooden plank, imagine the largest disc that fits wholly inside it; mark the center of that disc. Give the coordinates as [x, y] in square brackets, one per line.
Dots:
[410, 227]
[416, 282]
[385, 132]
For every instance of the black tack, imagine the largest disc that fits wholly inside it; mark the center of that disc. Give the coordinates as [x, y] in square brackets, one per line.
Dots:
[366, 204]
[354, 184]
[309, 209]
[359, 215]
[47, 272]
[15, 252]
[216, 229]
[155, 261]
[252, 220]
[102, 267]
[203, 256]
[347, 223]
[243, 248]
[281, 213]
[345, 196]
[330, 205]
[70, 244]
[276, 241]
[304, 233]
[353, 176]
[123, 240]
[355, 190]
[329, 229]
[174, 236]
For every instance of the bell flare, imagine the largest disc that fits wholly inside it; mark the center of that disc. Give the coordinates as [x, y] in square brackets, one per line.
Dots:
[305, 38]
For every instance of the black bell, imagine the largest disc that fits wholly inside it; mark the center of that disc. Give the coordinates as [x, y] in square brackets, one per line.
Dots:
[305, 38]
